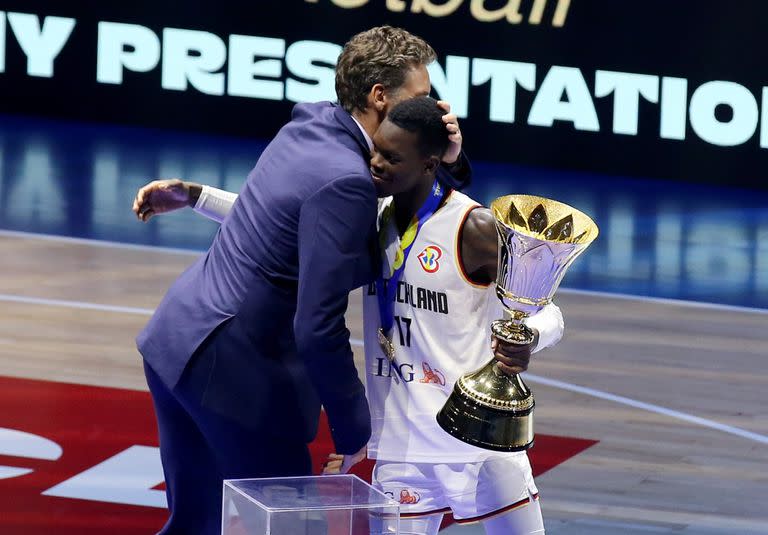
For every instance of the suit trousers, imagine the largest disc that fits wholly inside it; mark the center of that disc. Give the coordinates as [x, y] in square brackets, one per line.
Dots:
[199, 448]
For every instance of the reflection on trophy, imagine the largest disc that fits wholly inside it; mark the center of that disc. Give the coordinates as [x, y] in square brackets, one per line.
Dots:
[538, 240]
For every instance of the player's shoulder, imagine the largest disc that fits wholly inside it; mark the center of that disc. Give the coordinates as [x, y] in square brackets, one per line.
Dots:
[479, 222]
[476, 221]
[462, 200]
[468, 210]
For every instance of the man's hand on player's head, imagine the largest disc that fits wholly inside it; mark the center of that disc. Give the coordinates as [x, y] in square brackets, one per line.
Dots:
[454, 133]
[160, 196]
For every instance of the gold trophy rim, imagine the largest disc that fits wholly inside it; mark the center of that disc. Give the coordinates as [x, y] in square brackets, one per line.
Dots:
[585, 229]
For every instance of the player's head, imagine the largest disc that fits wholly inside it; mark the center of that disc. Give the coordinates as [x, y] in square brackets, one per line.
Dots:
[380, 67]
[408, 146]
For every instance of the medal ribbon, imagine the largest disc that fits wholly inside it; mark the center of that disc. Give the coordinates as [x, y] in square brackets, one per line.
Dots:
[387, 288]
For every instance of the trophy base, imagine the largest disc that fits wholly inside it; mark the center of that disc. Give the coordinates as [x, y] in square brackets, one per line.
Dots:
[486, 427]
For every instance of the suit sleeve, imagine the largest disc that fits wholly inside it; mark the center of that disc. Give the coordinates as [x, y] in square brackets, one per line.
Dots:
[457, 175]
[334, 226]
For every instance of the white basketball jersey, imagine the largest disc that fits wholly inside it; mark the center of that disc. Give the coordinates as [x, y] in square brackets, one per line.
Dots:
[441, 331]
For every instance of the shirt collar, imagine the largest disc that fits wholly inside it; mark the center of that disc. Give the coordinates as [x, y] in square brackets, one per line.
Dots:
[368, 139]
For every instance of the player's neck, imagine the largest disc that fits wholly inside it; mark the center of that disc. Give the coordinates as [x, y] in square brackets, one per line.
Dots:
[408, 203]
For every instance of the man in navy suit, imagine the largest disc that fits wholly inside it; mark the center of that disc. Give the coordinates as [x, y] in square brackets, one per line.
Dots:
[251, 340]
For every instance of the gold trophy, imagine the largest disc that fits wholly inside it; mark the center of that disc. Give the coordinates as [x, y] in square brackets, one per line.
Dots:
[538, 240]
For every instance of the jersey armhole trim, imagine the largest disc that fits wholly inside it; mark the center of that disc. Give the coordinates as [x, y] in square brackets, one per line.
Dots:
[457, 253]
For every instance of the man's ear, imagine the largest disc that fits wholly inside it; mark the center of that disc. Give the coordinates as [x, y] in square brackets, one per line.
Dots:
[377, 99]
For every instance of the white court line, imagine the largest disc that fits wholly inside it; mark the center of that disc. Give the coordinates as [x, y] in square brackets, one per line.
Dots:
[74, 304]
[665, 301]
[359, 343]
[648, 407]
[98, 243]
[634, 403]
[157, 248]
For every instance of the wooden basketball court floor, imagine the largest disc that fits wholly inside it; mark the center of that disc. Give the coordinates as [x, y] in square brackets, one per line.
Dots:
[676, 393]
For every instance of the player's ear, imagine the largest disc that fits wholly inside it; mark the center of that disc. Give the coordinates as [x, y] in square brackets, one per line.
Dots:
[431, 164]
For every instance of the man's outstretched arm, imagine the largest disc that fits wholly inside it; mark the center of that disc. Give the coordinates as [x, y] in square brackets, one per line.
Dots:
[162, 196]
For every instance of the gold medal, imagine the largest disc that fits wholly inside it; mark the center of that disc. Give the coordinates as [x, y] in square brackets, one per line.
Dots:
[386, 345]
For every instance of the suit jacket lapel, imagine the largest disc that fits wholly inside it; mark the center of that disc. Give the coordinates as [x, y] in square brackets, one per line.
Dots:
[348, 123]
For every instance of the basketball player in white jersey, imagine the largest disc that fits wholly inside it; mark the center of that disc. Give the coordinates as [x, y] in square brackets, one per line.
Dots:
[443, 304]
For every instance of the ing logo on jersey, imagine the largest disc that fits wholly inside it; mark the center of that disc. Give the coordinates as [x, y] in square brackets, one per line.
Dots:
[429, 257]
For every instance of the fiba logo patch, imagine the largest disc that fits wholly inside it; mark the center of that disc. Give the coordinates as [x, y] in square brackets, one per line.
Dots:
[429, 257]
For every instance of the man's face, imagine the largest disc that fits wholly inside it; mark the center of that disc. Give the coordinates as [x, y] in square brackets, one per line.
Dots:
[416, 85]
[396, 164]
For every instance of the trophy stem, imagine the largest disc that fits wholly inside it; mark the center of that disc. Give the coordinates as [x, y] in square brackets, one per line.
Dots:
[512, 331]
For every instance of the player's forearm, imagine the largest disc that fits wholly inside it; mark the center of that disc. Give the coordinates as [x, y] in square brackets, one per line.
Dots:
[212, 203]
[549, 323]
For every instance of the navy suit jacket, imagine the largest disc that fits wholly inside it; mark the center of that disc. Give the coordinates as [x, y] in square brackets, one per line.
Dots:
[271, 292]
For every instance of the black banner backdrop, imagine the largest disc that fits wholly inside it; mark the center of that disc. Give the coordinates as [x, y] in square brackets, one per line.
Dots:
[656, 88]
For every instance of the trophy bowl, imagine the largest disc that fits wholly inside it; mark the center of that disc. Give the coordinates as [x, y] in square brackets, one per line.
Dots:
[538, 239]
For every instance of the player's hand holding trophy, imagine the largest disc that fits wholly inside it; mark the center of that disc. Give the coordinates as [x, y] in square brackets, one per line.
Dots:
[539, 238]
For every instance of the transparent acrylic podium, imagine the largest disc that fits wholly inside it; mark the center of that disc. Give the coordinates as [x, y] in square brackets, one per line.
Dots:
[312, 505]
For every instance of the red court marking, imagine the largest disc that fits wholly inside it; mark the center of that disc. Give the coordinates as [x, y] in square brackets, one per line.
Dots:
[92, 424]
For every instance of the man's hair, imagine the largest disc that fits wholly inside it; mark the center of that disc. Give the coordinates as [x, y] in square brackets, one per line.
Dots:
[382, 55]
[423, 116]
